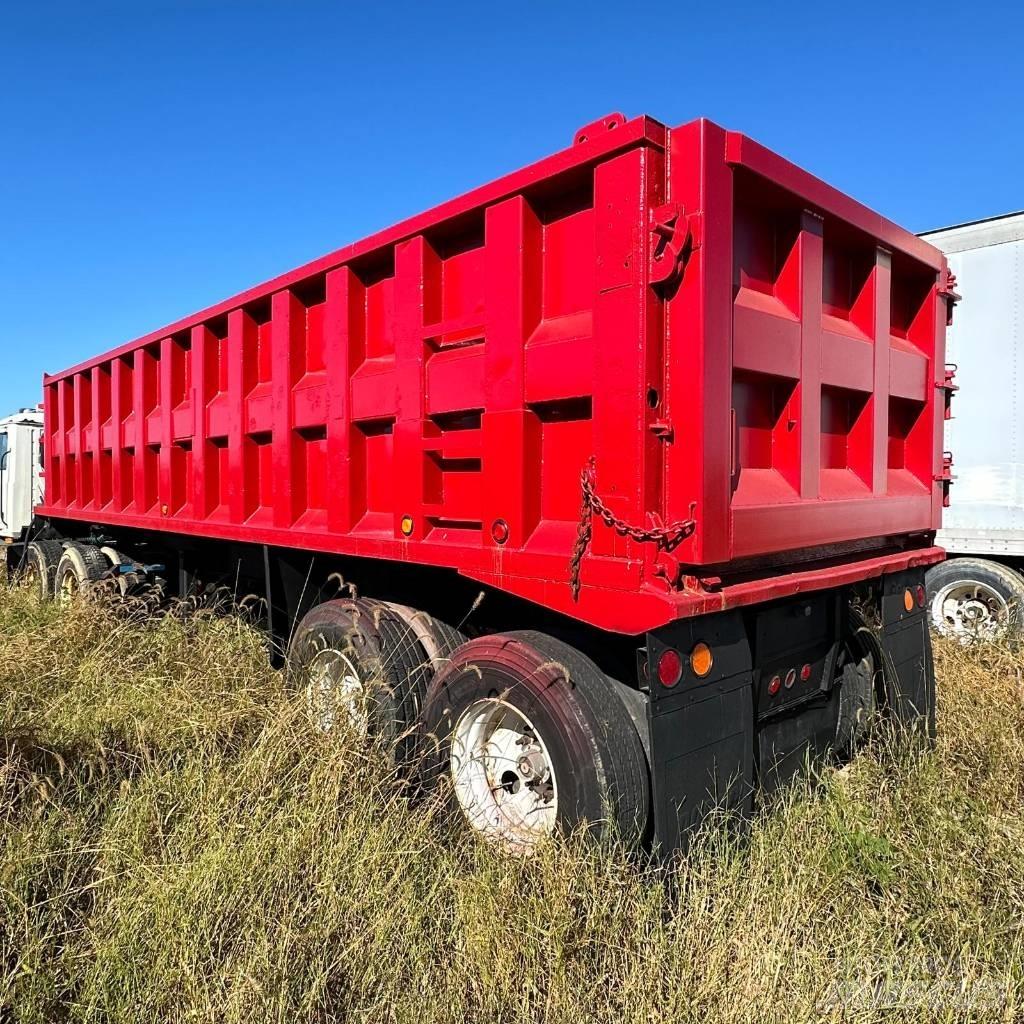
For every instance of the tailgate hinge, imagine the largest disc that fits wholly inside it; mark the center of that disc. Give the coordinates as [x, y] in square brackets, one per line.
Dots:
[947, 387]
[945, 478]
[947, 290]
[596, 128]
[675, 235]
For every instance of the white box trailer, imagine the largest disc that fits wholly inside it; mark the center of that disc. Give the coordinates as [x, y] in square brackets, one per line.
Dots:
[979, 588]
[21, 482]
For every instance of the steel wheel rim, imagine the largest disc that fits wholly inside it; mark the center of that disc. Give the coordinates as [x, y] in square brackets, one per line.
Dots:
[503, 776]
[336, 694]
[68, 588]
[970, 609]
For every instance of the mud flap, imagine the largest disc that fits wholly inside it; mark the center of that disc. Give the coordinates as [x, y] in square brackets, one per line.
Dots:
[701, 730]
[907, 651]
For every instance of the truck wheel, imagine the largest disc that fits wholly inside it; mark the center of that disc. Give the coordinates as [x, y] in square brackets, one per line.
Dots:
[79, 567]
[972, 598]
[534, 740]
[41, 560]
[361, 666]
[438, 639]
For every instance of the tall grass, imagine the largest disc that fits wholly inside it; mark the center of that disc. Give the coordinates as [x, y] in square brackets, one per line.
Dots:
[176, 843]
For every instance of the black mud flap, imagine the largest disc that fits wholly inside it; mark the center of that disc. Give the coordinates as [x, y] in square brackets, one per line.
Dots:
[795, 641]
[701, 730]
[907, 651]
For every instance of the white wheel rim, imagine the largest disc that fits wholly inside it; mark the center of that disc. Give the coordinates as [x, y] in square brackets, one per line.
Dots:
[69, 589]
[504, 779]
[969, 609]
[336, 694]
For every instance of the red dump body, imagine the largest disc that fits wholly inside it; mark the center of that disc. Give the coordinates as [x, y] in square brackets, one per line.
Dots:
[716, 333]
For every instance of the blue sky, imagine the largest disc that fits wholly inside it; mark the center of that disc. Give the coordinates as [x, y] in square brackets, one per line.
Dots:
[157, 157]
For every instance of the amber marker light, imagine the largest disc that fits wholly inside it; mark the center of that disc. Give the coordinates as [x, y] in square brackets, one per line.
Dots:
[701, 659]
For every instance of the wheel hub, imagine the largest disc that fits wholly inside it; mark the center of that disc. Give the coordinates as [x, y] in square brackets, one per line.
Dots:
[969, 608]
[504, 781]
[336, 693]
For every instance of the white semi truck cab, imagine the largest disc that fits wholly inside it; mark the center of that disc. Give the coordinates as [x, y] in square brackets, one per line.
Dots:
[21, 472]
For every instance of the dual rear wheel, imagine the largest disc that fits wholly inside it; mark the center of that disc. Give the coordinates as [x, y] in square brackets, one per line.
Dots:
[363, 670]
[525, 735]
[61, 570]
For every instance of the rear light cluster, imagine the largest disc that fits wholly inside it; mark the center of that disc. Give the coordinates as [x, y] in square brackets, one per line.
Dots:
[670, 664]
[781, 681]
[916, 596]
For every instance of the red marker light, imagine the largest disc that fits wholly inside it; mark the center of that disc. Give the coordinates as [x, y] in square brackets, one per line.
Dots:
[920, 595]
[670, 668]
[774, 686]
[805, 673]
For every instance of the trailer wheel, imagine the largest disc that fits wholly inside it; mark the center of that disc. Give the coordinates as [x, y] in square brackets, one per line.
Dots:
[81, 566]
[41, 561]
[974, 599]
[534, 739]
[361, 667]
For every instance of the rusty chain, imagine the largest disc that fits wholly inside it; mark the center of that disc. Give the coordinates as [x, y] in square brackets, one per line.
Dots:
[664, 537]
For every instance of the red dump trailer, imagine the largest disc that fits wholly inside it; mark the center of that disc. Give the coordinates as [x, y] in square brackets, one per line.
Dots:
[633, 458]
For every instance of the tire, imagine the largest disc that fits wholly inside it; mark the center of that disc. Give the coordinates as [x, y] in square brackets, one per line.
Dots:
[361, 666]
[534, 740]
[80, 567]
[862, 684]
[438, 640]
[858, 705]
[41, 560]
[974, 599]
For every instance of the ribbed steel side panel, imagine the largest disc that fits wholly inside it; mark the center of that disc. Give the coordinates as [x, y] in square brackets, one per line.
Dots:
[715, 333]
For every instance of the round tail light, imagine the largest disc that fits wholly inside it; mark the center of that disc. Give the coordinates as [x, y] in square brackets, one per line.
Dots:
[774, 686]
[670, 668]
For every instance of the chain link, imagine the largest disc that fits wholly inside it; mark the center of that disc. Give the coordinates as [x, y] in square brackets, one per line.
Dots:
[664, 537]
